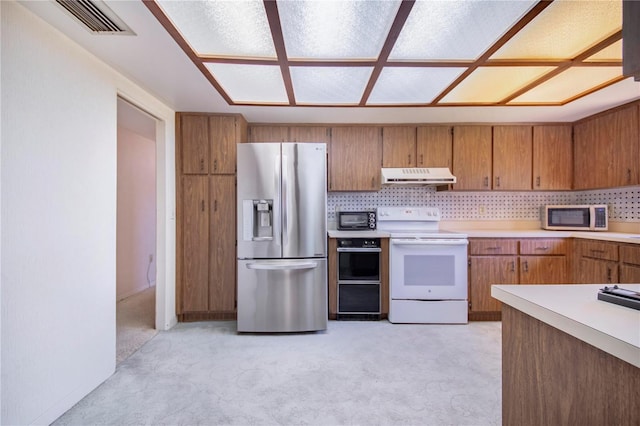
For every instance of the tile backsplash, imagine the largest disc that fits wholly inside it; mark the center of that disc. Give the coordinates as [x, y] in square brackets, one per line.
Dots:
[624, 203]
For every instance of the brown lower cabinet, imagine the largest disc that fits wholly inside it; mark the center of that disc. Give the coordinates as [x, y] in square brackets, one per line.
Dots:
[511, 261]
[206, 288]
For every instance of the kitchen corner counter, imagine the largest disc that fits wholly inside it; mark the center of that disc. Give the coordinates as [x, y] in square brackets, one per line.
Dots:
[619, 237]
[575, 310]
[334, 233]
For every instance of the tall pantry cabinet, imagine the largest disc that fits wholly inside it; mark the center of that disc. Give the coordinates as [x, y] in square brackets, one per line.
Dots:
[206, 214]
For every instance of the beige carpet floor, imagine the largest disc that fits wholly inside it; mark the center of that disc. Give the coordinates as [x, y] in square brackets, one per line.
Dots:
[135, 322]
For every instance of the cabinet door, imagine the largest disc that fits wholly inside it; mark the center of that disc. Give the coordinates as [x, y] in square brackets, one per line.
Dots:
[483, 273]
[434, 146]
[630, 263]
[223, 138]
[629, 274]
[194, 143]
[593, 271]
[269, 134]
[472, 157]
[195, 243]
[398, 147]
[512, 157]
[606, 150]
[552, 157]
[310, 134]
[222, 272]
[355, 158]
[543, 269]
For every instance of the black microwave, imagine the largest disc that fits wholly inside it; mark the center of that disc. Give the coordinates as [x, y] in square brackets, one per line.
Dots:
[364, 220]
[576, 217]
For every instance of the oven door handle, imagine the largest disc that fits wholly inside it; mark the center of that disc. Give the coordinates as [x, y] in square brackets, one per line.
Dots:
[429, 242]
[359, 250]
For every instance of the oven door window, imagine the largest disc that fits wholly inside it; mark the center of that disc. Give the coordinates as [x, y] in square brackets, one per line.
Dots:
[359, 266]
[428, 272]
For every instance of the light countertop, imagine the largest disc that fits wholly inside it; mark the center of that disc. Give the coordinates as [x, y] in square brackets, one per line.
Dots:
[541, 233]
[576, 310]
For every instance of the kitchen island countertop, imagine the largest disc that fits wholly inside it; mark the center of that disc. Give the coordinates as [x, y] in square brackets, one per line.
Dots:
[575, 310]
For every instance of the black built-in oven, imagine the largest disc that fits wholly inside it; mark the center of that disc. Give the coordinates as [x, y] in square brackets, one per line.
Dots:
[359, 278]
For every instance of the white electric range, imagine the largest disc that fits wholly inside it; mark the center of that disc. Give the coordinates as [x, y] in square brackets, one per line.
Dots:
[427, 267]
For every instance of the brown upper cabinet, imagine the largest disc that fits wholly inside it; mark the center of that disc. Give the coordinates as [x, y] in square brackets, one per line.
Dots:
[310, 134]
[434, 146]
[606, 151]
[208, 142]
[398, 147]
[269, 134]
[355, 158]
[552, 157]
[512, 157]
[472, 157]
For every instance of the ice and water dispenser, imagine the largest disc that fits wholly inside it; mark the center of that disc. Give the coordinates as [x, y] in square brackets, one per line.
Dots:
[257, 220]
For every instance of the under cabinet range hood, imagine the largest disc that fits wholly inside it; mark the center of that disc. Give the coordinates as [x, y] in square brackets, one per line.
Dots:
[417, 176]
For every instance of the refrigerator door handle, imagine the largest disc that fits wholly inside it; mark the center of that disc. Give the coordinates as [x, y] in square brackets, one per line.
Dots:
[277, 205]
[280, 266]
[285, 199]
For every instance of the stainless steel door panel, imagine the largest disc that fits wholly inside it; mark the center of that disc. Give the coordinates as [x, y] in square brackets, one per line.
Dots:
[304, 200]
[258, 179]
[282, 295]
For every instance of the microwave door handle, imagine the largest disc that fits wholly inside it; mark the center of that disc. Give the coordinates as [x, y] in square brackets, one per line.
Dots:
[592, 218]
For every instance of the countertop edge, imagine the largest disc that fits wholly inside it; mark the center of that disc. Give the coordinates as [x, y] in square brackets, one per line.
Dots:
[609, 344]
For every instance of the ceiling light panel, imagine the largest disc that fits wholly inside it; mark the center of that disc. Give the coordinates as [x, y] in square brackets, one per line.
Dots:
[260, 84]
[223, 28]
[492, 84]
[336, 29]
[451, 30]
[568, 84]
[404, 85]
[611, 53]
[563, 30]
[329, 85]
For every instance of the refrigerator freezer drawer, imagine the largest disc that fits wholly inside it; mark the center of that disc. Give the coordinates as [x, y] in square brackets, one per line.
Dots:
[288, 295]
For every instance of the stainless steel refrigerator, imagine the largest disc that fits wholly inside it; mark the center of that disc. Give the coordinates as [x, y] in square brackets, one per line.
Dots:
[282, 237]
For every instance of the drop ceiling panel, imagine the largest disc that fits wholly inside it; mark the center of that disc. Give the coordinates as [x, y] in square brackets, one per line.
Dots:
[335, 29]
[406, 85]
[251, 83]
[455, 29]
[223, 28]
[563, 30]
[611, 53]
[568, 84]
[329, 85]
[492, 84]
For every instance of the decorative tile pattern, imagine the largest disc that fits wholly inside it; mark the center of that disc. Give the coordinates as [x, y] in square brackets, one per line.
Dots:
[624, 203]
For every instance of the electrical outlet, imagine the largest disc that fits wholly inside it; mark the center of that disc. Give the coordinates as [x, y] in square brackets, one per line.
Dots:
[482, 210]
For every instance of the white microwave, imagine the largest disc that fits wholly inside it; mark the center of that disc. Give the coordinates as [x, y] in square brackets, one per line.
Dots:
[576, 218]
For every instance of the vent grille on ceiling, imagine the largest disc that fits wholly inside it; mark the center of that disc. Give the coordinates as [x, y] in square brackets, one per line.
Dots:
[96, 16]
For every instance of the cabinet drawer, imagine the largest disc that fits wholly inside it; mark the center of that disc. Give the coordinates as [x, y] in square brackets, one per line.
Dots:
[543, 247]
[597, 250]
[492, 247]
[630, 254]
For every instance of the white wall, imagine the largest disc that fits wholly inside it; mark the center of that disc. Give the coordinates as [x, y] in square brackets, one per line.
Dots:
[136, 213]
[58, 217]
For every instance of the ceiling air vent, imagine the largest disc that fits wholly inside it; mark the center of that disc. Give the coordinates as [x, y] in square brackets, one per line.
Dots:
[96, 16]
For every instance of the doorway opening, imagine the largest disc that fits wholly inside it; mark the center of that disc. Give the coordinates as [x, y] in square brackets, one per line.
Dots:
[135, 229]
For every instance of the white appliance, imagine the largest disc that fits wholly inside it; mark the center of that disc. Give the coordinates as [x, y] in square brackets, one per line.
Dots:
[427, 267]
[417, 176]
[282, 237]
[576, 217]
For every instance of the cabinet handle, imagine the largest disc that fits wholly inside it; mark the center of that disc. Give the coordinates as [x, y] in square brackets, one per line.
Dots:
[215, 205]
[609, 274]
[215, 165]
[494, 248]
[542, 248]
[513, 266]
[421, 160]
[373, 183]
[409, 159]
[628, 175]
[526, 266]
[595, 251]
[498, 182]
[202, 205]
[202, 164]
[538, 181]
[486, 181]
